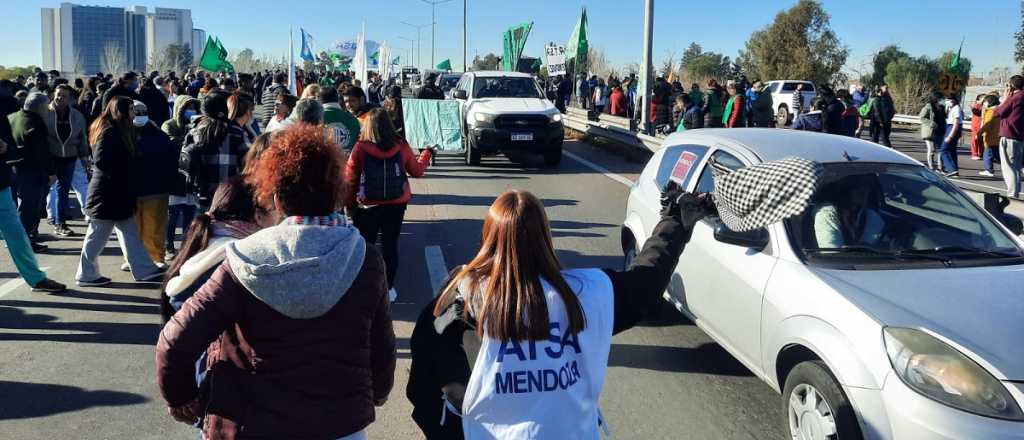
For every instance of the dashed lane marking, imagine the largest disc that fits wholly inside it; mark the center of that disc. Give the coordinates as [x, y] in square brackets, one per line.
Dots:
[605, 171]
[436, 267]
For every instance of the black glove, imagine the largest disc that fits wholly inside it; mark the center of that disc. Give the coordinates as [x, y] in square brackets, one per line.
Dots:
[687, 208]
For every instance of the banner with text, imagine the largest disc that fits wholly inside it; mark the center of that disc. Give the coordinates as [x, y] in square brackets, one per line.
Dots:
[555, 60]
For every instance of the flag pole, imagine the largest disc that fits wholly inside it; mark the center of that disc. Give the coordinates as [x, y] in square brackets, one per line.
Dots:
[292, 87]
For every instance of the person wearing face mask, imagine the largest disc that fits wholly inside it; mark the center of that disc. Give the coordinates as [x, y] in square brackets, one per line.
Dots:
[127, 86]
[181, 204]
[155, 175]
[66, 133]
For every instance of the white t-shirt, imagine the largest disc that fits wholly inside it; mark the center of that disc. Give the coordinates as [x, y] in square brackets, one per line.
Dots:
[545, 389]
[954, 115]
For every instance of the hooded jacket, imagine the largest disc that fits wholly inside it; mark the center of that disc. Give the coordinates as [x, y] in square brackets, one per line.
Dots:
[76, 145]
[414, 166]
[311, 303]
[177, 127]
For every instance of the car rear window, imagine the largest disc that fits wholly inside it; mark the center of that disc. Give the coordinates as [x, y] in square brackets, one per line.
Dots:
[683, 172]
[791, 86]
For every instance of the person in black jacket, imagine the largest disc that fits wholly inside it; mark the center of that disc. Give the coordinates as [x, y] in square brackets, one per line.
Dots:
[13, 232]
[430, 89]
[33, 164]
[112, 198]
[440, 368]
[882, 112]
[156, 102]
[126, 86]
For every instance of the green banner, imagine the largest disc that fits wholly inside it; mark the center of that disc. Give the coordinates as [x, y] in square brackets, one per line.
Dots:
[445, 65]
[578, 40]
[514, 42]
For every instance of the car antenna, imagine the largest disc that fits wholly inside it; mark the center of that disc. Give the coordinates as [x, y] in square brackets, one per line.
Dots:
[847, 156]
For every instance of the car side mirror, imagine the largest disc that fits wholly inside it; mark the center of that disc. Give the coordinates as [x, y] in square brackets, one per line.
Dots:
[756, 239]
[461, 94]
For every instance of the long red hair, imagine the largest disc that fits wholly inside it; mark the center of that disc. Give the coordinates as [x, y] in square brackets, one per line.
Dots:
[516, 252]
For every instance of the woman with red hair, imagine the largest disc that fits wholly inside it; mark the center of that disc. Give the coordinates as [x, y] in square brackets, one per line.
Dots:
[308, 296]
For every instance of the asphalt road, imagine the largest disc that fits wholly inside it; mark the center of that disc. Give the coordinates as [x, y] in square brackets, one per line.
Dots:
[80, 364]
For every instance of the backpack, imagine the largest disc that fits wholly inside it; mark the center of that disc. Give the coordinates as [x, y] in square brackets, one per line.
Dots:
[383, 179]
[190, 168]
[865, 108]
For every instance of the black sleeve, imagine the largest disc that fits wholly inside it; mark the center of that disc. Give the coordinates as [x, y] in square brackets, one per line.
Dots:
[639, 288]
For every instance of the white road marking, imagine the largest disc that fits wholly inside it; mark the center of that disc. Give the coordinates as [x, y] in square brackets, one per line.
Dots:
[436, 267]
[14, 284]
[607, 173]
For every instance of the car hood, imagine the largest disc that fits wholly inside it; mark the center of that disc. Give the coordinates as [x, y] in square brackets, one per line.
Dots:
[512, 105]
[980, 309]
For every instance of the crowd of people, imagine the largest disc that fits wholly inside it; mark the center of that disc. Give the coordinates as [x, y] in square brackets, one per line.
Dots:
[994, 136]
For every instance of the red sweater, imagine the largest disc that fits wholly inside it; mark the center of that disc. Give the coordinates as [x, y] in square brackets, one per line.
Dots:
[1011, 114]
[618, 100]
[414, 167]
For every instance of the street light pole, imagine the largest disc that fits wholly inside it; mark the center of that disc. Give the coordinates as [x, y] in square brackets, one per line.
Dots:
[646, 74]
[419, 51]
[465, 27]
[433, 24]
[411, 60]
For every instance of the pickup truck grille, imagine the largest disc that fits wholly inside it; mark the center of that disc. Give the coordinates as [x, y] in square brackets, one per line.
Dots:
[521, 122]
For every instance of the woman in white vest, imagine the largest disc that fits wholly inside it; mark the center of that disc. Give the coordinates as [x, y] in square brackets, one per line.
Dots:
[545, 333]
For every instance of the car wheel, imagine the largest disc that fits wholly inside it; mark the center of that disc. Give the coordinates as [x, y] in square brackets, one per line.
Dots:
[472, 153]
[782, 116]
[553, 157]
[815, 405]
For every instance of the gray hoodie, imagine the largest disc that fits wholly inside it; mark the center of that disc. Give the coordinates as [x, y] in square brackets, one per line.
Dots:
[300, 271]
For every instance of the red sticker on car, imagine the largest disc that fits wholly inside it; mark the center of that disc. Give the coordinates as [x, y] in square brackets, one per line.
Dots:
[683, 166]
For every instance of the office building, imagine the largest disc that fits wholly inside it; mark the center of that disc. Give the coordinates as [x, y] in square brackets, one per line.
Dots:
[87, 39]
[198, 44]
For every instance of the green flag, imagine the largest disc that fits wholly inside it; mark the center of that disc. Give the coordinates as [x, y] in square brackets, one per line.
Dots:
[514, 42]
[954, 64]
[445, 65]
[578, 40]
[215, 57]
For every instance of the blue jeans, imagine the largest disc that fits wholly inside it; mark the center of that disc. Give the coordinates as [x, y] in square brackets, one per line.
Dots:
[176, 214]
[986, 159]
[947, 152]
[79, 184]
[17, 241]
[65, 174]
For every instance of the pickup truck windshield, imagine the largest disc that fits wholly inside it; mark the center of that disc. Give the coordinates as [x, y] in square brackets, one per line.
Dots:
[506, 87]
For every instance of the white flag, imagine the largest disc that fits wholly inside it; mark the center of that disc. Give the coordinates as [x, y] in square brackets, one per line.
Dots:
[292, 87]
[359, 62]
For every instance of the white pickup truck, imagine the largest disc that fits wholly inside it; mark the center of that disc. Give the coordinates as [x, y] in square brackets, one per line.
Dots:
[507, 111]
[782, 96]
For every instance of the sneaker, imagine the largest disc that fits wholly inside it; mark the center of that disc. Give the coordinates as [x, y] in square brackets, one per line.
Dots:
[975, 157]
[952, 174]
[48, 285]
[392, 295]
[986, 173]
[98, 282]
[156, 277]
[125, 267]
[62, 230]
[39, 247]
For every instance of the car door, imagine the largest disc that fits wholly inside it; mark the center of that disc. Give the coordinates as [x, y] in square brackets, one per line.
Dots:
[723, 283]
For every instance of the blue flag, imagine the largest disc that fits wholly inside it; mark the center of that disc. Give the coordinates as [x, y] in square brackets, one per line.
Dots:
[307, 46]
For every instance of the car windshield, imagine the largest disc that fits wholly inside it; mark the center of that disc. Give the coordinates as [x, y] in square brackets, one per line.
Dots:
[448, 82]
[894, 215]
[505, 87]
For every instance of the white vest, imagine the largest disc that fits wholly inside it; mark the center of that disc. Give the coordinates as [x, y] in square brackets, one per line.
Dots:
[545, 389]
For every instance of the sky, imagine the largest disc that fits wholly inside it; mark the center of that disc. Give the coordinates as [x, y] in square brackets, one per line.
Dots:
[920, 27]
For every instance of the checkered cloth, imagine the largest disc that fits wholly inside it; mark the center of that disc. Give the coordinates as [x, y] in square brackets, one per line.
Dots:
[754, 197]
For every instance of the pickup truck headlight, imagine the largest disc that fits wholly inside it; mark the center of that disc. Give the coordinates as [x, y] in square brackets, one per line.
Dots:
[483, 117]
[941, 373]
[556, 117]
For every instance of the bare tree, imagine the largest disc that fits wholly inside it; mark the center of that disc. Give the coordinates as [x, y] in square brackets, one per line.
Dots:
[78, 63]
[113, 60]
[668, 64]
[598, 63]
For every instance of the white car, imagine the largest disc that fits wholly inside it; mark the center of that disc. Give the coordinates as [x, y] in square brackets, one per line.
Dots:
[911, 327]
[507, 111]
[782, 96]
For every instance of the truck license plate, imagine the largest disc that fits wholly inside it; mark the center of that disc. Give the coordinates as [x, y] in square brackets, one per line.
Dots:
[517, 137]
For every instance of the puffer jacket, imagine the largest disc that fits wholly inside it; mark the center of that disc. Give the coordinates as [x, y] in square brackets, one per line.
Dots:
[311, 303]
